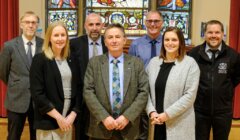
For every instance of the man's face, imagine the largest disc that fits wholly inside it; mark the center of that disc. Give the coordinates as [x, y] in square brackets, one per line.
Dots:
[93, 27]
[154, 24]
[114, 40]
[29, 26]
[214, 35]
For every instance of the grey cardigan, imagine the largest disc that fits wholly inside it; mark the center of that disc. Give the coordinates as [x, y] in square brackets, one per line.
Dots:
[180, 93]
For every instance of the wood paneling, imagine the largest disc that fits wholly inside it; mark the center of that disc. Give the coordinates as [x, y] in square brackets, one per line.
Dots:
[234, 134]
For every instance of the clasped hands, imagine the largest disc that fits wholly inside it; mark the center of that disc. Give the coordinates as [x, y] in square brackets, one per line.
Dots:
[65, 124]
[115, 124]
[158, 119]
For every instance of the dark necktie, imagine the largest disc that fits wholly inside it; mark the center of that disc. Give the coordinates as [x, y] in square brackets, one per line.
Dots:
[153, 48]
[213, 55]
[116, 89]
[29, 52]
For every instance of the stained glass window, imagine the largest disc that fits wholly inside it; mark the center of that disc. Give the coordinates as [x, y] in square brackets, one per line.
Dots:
[129, 13]
[177, 13]
[66, 11]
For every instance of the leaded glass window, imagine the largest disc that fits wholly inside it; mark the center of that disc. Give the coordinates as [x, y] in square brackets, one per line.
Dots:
[176, 13]
[129, 13]
[64, 10]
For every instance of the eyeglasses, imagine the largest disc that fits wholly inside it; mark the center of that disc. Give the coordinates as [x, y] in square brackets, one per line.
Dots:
[30, 22]
[153, 21]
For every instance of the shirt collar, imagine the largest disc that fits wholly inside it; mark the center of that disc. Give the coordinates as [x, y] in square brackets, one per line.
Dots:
[158, 39]
[120, 58]
[25, 40]
[98, 41]
[208, 48]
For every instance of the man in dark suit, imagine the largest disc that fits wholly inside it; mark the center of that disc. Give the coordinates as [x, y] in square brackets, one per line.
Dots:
[83, 48]
[15, 62]
[115, 90]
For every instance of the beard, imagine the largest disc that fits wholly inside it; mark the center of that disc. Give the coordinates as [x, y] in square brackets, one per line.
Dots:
[94, 35]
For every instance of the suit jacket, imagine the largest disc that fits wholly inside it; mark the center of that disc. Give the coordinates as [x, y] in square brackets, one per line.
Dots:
[47, 90]
[180, 93]
[14, 71]
[96, 95]
[79, 48]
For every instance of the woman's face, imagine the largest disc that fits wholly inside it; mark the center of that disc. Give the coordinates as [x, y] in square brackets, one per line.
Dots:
[58, 38]
[171, 42]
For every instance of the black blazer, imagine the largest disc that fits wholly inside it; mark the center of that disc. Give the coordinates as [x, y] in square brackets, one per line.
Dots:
[79, 48]
[47, 90]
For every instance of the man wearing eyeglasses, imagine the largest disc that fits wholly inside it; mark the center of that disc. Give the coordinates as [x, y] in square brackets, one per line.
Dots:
[15, 62]
[145, 48]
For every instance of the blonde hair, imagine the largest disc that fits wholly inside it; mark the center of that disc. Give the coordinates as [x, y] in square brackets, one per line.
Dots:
[47, 46]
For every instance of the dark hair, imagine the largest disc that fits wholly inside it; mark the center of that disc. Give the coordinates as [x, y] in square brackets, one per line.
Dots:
[212, 22]
[115, 25]
[181, 50]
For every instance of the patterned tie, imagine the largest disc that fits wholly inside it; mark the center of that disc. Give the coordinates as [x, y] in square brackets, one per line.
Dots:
[116, 89]
[29, 52]
[153, 48]
[95, 50]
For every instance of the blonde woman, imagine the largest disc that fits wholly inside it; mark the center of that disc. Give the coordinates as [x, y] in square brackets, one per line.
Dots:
[55, 86]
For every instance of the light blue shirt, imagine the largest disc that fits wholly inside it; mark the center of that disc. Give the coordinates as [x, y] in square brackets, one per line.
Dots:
[120, 67]
[98, 45]
[141, 48]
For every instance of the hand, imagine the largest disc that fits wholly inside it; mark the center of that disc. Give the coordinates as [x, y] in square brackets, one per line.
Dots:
[71, 117]
[154, 118]
[63, 124]
[122, 122]
[109, 123]
[163, 117]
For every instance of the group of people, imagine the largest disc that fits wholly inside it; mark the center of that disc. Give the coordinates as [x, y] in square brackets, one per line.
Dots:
[155, 92]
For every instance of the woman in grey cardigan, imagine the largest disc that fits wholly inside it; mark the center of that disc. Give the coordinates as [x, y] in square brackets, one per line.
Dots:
[173, 79]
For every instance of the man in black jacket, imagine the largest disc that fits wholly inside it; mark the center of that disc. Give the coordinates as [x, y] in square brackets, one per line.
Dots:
[84, 48]
[220, 74]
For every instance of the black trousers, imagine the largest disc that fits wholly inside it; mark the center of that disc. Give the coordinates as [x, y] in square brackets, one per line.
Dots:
[16, 123]
[81, 124]
[220, 124]
[116, 136]
[143, 127]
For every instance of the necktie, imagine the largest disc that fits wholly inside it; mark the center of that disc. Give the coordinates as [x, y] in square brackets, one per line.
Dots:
[153, 48]
[95, 50]
[29, 52]
[213, 55]
[116, 89]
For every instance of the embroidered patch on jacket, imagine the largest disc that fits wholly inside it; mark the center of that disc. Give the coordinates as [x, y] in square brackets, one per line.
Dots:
[222, 68]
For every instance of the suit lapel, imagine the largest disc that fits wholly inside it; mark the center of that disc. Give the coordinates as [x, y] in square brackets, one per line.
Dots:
[57, 76]
[85, 51]
[22, 51]
[127, 73]
[105, 73]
